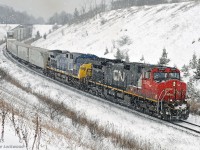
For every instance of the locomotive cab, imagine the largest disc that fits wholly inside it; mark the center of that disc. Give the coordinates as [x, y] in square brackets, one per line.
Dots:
[164, 84]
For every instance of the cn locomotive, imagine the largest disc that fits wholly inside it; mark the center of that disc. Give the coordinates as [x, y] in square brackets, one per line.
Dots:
[152, 89]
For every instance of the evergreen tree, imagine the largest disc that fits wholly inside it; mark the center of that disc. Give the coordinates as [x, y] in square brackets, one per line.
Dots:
[197, 73]
[164, 60]
[119, 54]
[45, 36]
[142, 59]
[185, 70]
[63, 18]
[37, 35]
[76, 14]
[127, 58]
[193, 62]
[106, 52]
[54, 19]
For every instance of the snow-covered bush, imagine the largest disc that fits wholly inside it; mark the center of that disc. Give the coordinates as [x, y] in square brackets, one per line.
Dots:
[124, 40]
[103, 21]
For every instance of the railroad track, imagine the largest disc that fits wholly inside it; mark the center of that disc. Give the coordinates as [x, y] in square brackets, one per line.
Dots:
[177, 125]
[188, 125]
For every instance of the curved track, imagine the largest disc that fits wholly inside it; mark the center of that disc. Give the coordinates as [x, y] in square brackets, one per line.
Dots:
[177, 125]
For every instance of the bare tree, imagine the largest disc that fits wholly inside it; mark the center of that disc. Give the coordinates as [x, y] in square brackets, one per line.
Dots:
[4, 112]
[36, 131]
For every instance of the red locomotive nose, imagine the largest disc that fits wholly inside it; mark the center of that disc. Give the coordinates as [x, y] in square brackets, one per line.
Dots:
[171, 90]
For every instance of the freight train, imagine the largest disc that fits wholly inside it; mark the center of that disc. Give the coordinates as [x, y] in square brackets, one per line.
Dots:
[152, 89]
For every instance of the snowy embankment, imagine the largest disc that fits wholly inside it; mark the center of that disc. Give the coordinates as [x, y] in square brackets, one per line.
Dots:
[157, 136]
[138, 31]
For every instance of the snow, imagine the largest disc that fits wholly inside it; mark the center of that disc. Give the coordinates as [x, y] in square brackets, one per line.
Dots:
[43, 29]
[150, 29]
[160, 136]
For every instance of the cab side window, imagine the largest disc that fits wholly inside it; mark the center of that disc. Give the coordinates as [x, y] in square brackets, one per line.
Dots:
[71, 56]
[147, 75]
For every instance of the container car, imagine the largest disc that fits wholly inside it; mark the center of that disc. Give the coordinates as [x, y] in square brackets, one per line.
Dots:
[12, 46]
[38, 57]
[23, 52]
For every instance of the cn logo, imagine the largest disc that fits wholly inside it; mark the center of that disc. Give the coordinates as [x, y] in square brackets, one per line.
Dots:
[118, 75]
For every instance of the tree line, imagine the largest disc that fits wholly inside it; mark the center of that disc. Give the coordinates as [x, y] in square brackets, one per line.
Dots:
[89, 9]
[117, 4]
[10, 16]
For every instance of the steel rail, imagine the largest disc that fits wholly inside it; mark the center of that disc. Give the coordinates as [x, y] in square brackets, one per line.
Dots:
[185, 127]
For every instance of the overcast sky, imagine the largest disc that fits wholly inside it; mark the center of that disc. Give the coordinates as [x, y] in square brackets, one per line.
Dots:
[44, 8]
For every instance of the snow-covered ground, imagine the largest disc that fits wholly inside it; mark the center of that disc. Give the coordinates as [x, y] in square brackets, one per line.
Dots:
[159, 136]
[139, 31]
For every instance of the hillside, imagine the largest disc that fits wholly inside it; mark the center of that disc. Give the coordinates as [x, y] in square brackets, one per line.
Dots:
[138, 30]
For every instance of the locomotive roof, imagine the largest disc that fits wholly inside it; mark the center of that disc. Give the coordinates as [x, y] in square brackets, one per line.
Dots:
[59, 51]
[87, 56]
[147, 66]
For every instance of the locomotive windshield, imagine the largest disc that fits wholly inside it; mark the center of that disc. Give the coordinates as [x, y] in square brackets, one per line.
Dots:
[174, 75]
[159, 76]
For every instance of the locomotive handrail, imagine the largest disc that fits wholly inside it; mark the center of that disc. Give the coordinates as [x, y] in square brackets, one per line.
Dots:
[161, 99]
[158, 101]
